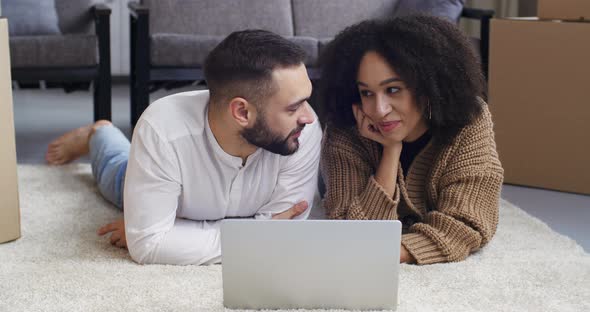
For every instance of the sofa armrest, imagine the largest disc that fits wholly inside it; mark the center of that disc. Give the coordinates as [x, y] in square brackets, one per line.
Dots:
[484, 17]
[102, 17]
[102, 24]
[137, 9]
[479, 14]
[100, 9]
[102, 84]
[102, 20]
[139, 44]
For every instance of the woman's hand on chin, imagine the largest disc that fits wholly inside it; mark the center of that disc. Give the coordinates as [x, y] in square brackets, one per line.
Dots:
[368, 129]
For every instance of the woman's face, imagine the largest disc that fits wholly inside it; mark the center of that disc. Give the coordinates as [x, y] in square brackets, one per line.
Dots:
[387, 101]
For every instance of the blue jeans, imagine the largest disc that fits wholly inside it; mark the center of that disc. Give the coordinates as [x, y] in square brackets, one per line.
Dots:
[109, 153]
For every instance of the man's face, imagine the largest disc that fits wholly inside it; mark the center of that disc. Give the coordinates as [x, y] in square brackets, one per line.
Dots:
[278, 126]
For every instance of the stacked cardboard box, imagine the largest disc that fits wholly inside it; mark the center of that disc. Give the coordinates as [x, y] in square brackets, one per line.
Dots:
[9, 206]
[539, 95]
[564, 9]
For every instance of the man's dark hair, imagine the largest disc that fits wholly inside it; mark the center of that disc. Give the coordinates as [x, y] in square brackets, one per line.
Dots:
[242, 65]
[433, 57]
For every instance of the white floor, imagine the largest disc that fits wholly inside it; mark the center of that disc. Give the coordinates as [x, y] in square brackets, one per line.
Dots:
[42, 115]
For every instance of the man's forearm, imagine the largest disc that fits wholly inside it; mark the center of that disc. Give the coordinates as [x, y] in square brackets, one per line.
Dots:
[187, 242]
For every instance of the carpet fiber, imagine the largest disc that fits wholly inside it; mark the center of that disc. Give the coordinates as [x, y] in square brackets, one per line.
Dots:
[60, 264]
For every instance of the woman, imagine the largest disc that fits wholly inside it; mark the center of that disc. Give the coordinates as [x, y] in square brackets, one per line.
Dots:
[408, 136]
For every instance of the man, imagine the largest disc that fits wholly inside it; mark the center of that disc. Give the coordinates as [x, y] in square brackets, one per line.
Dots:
[248, 147]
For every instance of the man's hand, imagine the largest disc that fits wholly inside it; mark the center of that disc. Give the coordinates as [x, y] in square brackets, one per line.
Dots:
[117, 229]
[405, 256]
[293, 212]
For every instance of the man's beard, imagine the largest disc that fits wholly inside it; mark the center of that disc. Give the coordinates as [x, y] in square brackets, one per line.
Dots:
[262, 136]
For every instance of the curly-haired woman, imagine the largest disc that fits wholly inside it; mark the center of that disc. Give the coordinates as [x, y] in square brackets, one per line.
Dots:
[409, 137]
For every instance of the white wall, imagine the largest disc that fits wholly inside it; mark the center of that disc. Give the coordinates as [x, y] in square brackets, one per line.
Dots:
[119, 37]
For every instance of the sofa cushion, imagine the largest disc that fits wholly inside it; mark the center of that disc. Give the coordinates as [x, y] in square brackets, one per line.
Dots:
[475, 42]
[181, 50]
[311, 47]
[53, 51]
[30, 17]
[75, 16]
[325, 18]
[219, 17]
[450, 9]
[191, 50]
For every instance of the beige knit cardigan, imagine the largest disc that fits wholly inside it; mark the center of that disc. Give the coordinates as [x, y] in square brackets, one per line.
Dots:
[448, 202]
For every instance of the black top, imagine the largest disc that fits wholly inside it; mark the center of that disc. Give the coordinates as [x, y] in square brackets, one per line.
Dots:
[411, 149]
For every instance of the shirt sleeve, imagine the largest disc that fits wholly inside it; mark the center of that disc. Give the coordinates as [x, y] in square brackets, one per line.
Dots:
[151, 198]
[298, 178]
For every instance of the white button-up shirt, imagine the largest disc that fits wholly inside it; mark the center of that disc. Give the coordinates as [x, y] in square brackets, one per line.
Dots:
[180, 183]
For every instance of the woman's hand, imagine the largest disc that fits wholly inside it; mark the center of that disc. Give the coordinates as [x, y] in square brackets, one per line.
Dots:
[405, 256]
[387, 170]
[368, 129]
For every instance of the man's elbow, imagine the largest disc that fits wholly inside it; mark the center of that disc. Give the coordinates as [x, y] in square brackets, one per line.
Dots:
[136, 255]
[139, 251]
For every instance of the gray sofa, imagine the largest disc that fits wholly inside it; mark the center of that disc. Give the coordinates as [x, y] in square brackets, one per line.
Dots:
[78, 53]
[171, 38]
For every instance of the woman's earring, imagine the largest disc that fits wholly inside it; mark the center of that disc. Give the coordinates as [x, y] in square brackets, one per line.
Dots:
[429, 111]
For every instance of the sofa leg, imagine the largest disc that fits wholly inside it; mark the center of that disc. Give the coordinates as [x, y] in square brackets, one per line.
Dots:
[132, 97]
[102, 83]
[140, 63]
[102, 98]
[139, 94]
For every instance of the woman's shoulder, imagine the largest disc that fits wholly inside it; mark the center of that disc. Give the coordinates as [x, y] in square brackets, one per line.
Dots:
[474, 145]
[481, 126]
[485, 117]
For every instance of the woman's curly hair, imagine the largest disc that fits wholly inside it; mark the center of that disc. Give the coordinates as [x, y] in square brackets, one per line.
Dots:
[432, 56]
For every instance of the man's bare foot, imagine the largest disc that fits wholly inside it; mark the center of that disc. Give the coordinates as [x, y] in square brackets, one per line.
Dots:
[72, 144]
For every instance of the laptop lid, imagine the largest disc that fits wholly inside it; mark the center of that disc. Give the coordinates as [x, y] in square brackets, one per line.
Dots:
[310, 264]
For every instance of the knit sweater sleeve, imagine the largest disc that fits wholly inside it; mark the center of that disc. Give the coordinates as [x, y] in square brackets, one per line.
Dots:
[465, 215]
[352, 192]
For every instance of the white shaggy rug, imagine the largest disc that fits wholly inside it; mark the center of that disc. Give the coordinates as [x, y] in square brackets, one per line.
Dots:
[60, 264]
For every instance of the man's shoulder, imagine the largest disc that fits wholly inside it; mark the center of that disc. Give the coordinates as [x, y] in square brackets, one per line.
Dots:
[178, 114]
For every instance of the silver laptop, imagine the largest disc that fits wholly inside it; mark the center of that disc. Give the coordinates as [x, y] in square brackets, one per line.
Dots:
[310, 264]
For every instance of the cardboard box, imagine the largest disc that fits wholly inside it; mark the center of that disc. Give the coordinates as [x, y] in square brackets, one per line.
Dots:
[9, 206]
[564, 9]
[539, 96]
